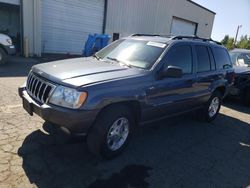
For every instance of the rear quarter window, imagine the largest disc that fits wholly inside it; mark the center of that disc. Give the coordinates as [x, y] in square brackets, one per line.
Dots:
[222, 58]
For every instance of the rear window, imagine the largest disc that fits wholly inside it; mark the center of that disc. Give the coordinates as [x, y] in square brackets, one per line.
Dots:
[222, 58]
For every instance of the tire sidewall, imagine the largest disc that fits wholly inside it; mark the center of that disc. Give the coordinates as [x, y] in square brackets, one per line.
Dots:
[98, 135]
[105, 149]
[215, 94]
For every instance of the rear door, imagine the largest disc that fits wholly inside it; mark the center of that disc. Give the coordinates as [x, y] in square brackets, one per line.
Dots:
[206, 74]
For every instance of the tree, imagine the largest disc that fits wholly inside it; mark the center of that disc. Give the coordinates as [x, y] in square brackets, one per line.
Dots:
[228, 42]
[244, 42]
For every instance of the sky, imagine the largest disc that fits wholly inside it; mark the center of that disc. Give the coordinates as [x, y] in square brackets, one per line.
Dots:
[229, 14]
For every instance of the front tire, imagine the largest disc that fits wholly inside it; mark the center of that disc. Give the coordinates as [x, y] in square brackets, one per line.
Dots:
[111, 132]
[3, 57]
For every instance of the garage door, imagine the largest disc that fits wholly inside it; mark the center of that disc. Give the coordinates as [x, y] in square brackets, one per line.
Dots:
[183, 27]
[67, 23]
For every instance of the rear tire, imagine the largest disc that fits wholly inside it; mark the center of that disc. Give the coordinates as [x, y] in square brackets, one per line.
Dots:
[3, 57]
[111, 132]
[212, 108]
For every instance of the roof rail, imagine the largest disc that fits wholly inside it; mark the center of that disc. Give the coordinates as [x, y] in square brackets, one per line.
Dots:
[149, 35]
[194, 37]
[178, 37]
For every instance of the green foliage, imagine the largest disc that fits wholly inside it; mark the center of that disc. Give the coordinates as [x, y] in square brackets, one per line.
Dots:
[228, 42]
[244, 42]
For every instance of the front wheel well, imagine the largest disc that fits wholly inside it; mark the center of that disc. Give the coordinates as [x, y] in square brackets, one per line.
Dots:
[134, 106]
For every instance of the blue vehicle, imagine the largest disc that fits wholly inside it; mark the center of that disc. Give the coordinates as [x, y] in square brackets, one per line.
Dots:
[133, 81]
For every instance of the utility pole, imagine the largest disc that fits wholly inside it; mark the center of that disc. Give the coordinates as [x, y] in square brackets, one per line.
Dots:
[235, 40]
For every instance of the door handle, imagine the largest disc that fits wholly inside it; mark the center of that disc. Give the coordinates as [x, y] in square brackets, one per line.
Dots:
[151, 88]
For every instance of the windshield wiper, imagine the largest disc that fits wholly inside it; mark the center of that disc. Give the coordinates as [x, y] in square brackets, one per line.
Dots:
[118, 61]
[113, 59]
[97, 57]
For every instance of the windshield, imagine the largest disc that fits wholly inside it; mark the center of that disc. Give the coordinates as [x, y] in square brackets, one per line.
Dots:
[240, 59]
[135, 53]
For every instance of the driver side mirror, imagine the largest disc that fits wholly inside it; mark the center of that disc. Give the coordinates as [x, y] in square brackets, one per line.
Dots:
[171, 72]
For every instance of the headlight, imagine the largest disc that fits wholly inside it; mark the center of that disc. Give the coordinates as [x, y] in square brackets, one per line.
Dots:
[9, 41]
[67, 97]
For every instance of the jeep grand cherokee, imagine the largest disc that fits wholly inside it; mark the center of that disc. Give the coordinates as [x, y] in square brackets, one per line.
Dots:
[135, 80]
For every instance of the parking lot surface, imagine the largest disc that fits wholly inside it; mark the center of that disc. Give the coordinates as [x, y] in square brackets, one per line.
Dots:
[177, 152]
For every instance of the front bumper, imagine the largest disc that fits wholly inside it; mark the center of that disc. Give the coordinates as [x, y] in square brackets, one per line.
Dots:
[11, 50]
[76, 121]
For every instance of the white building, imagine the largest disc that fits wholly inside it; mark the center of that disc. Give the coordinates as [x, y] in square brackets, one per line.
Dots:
[62, 26]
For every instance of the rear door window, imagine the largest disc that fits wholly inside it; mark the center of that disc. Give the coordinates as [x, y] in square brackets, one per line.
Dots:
[222, 58]
[203, 59]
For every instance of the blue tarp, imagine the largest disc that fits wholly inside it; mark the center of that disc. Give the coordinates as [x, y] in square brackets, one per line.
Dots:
[95, 43]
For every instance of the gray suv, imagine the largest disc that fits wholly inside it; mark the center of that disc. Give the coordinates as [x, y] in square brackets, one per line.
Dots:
[133, 81]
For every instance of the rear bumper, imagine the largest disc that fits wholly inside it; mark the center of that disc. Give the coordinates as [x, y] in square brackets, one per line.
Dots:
[11, 50]
[76, 121]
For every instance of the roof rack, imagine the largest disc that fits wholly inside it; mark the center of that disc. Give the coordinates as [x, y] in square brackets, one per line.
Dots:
[194, 37]
[178, 37]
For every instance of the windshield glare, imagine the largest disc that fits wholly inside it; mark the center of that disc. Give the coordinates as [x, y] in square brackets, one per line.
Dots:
[135, 53]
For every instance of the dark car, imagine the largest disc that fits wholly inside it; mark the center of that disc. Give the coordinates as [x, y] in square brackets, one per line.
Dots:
[135, 80]
[241, 64]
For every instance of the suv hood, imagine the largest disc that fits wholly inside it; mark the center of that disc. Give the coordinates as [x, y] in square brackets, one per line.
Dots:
[241, 70]
[83, 71]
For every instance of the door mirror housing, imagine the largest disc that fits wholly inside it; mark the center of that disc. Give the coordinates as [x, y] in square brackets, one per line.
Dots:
[171, 72]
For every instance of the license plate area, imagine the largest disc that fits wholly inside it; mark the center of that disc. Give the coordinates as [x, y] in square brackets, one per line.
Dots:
[28, 106]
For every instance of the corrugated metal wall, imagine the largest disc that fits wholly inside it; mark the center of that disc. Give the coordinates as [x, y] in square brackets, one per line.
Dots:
[31, 13]
[154, 17]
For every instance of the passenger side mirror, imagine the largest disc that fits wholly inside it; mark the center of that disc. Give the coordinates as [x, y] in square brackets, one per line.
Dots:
[171, 72]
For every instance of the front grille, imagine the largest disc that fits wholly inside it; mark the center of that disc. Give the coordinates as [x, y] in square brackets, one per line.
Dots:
[38, 88]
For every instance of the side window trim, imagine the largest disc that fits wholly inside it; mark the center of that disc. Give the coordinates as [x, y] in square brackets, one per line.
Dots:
[211, 55]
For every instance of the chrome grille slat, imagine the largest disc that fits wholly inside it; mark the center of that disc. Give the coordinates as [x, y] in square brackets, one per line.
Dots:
[31, 81]
[32, 84]
[44, 93]
[38, 88]
[34, 91]
[37, 95]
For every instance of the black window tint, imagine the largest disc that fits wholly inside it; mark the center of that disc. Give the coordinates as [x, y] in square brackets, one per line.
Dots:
[180, 56]
[221, 58]
[203, 61]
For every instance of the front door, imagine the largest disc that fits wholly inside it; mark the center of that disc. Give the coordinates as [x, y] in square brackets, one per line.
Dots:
[170, 96]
